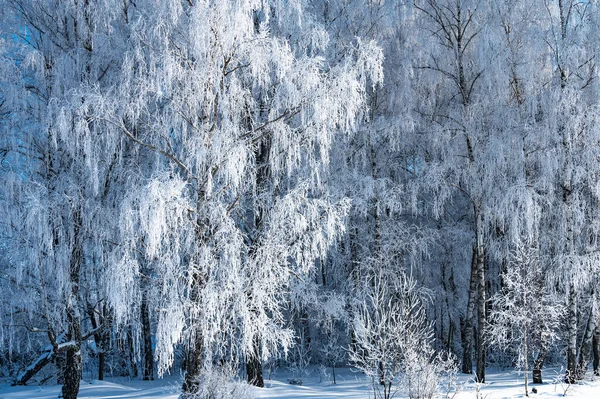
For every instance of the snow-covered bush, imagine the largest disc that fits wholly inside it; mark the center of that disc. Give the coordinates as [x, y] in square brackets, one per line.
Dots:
[217, 384]
[425, 373]
[394, 340]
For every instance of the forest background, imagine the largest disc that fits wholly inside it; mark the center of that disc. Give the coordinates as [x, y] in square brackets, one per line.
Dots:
[234, 184]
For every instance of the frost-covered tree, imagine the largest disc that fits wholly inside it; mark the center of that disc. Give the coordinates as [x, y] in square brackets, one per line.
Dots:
[225, 102]
[570, 115]
[519, 309]
[459, 158]
[63, 184]
[227, 179]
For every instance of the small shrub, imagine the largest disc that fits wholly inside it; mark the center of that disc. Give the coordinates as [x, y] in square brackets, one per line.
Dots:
[216, 384]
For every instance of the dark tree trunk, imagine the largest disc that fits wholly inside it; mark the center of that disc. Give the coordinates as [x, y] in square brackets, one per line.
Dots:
[101, 364]
[60, 366]
[467, 322]
[195, 350]
[595, 351]
[481, 305]
[193, 366]
[101, 336]
[104, 337]
[148, 365]
[73, 367]
[72, 374]
[254, 372]
[254, 367]
[381, 374]
[34, 368]
[538, 363]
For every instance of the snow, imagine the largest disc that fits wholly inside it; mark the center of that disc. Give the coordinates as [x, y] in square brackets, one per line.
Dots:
[167, 388]
[350, 385]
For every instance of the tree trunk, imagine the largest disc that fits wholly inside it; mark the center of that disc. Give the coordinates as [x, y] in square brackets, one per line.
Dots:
[254, 363]
[595, 351]
[131, 361]
[34, 368]
[333, 372]
[526, 361]
[571, 374]
[73, 366]
[381, 373]
[101, 363]
[195, 350]
[254, 366]
[538, 363]
[254, 372]
[193, 366]
[586, 345]
[567, 187]
[72, 374]
[541, 329]
[148, 365]
[481, 303]
[467, 322]
[101, 337]
[104, 342]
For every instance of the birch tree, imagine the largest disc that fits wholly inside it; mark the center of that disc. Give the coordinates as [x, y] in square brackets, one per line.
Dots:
[216, 97]
[66, 185]
[455, 29]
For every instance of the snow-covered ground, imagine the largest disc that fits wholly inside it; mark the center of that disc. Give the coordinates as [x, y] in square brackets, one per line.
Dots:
[350, 385]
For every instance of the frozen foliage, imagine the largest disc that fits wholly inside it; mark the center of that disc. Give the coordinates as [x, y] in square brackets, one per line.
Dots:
[523, 315]
[216, 384]
[218, 97]
[199, 184]
[394, 340]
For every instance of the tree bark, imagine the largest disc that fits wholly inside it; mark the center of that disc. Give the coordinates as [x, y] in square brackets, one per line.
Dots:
[35, 367]
[195, 350]
[526, 361]
[73, 367]
[595, 351]
[254, 366]
[101, 337]
[132, 367]
[541, 330]
[481, 303]
[193, 366]
[571, 374]
[467, 322]
[254, 363]
[72, 374]
[567, 187]
[586, 345]
[381, 372]
[148, 365]
[538, 363]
